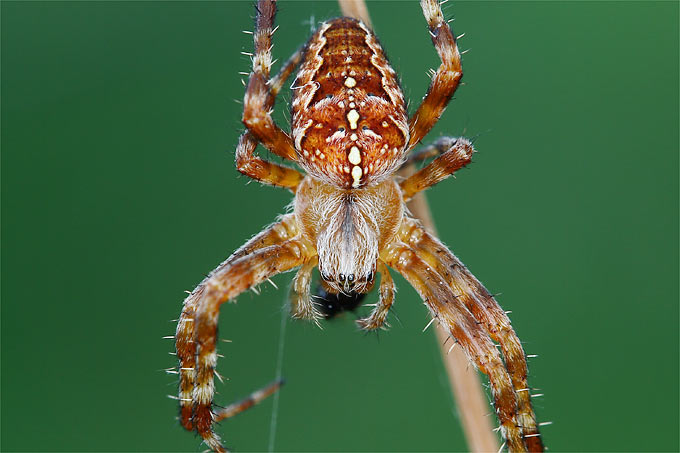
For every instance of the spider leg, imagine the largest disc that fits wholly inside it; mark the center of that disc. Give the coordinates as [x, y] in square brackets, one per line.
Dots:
[196, 336]
[277, 233]
[446, 308]
[377, 317]
[444, 81]
[276, 82]
[485, 309]
[186, 353]
[224, 285]
[434, 149]
[301, 304]
[458, 155]
[263, 170]
[248, 402]
[246, 161]
[259, 99]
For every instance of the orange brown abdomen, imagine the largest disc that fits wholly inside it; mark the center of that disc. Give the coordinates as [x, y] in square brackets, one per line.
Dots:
[349, 117]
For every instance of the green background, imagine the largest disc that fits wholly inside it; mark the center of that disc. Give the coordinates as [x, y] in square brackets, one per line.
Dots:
[119, 192]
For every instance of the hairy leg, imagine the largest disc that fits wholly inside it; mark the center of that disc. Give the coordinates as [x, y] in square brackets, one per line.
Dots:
[444, 81]
[224, 285]
[186, 353]
[258, 100]
[276, 82]
[268, 253]
[301, 304]
[246, 161]
[446, 308]
[378, 316]
[459, 154]
[485, 309]
[434, 149]
[262, 170]
[276, 233]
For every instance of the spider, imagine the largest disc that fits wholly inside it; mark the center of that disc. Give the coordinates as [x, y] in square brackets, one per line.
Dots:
[351, 134]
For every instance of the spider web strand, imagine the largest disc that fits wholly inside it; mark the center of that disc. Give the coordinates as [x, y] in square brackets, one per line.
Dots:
[279, 367]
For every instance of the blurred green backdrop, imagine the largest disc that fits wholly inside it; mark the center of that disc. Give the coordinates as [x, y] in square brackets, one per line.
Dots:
[119, 193]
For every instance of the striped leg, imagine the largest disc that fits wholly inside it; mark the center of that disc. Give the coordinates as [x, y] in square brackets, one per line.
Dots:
[276, 82]
[434, 149]
[485, 309]
[246, 160]
[444, 81]
[459, 154]
[220, 287]
[276, 233]
[235, 272]
[262, 170]
[186, 353]
[455, 317]
[259, 99]
[378, 316]
[248, 402]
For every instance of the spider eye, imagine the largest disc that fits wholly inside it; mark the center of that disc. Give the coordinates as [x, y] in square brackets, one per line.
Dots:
[341, 129]
[365, 128]
[328, 96]
[350, 278]
[341, 277]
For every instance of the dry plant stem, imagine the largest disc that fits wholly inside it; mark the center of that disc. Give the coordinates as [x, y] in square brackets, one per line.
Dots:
[471, 401]
[465, 384]
[356, 9]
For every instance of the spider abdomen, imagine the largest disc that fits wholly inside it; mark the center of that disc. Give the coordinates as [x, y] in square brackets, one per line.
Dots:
[350, 125]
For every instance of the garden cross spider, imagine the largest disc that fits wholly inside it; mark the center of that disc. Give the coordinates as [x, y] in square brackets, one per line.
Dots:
[351, 133]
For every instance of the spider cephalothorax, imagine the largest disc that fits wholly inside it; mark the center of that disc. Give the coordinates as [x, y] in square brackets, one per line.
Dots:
[351, 133]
